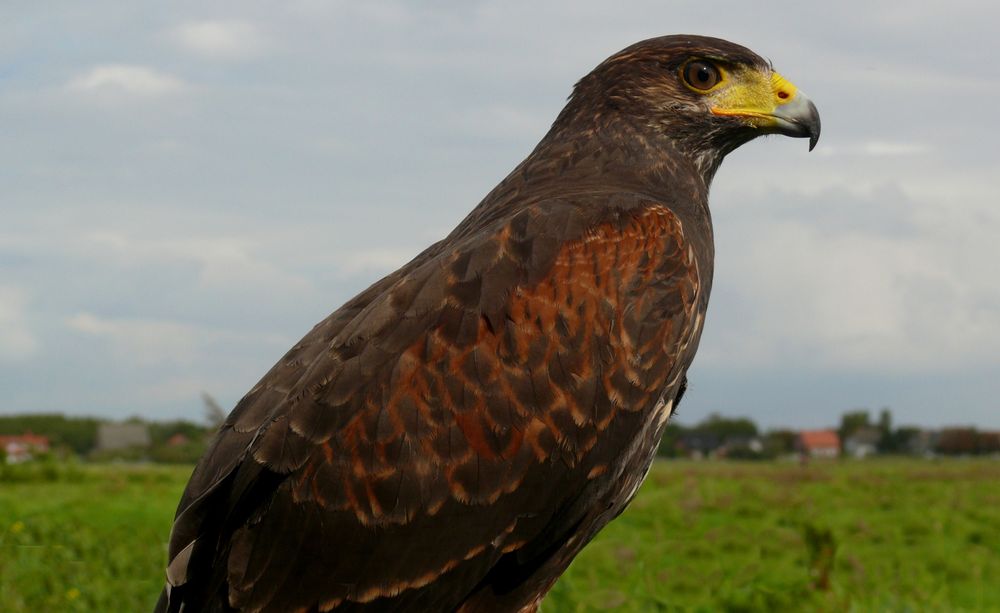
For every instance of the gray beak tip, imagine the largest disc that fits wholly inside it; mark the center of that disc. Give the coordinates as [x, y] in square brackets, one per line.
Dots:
[813, 125]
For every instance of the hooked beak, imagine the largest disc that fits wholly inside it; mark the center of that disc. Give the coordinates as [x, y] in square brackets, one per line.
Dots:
[798, 118]
[770, 104]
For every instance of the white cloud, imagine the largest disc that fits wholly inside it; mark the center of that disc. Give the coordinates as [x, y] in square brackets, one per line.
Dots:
[126, 80]
[226, 40]
[144, 341]
[17, 342]
[193, 212]
[900, 78]
[876, 148]
[885, 148]
[373, 260]
[180, 389]
[148, 342]
[494, 121]
[843, 291]
[224, 262]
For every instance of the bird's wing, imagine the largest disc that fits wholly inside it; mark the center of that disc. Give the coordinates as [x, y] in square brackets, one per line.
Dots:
[463, 413]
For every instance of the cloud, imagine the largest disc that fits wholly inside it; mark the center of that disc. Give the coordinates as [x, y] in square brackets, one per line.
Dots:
[126, 80]
[224, 40]
[145, 363]
[362, 261]
[150, 342]
[180, 389]
[495, 121]
[223, 261]
[849, 294]
[884, 148]
[17, 342]
[877, 148]
[209, 215]
[145, 341]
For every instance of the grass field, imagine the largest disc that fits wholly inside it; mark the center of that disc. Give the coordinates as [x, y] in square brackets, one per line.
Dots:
[895, 535]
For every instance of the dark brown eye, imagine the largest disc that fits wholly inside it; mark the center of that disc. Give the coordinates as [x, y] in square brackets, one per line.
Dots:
[702, 75]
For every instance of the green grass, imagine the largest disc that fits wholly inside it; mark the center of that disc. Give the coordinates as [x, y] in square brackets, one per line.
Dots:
[895, 535]
[888, 535]
[85, 538]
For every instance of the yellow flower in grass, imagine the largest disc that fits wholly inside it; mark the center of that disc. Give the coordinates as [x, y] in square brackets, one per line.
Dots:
[72, 593]
[17, 527]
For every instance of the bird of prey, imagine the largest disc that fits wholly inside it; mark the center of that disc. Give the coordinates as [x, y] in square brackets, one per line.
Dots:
[451, 437]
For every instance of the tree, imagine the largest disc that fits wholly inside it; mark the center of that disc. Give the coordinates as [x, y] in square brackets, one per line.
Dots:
[779, 442]
[852, 421]
[669, 444]
[886, 441]
[161, 431]
[905, 437]
[214, 414]
[958, 441]
[989, 442]
[727, 427]
[77, 433]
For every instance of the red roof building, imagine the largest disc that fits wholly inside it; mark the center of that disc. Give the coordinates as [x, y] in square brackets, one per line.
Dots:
[19, 448]
[177, 440]
[819, 443]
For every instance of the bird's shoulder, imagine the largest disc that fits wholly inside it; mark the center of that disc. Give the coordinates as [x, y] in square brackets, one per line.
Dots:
[488, 300]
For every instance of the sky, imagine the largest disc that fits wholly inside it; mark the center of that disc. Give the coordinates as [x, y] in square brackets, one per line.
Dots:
[187, 187]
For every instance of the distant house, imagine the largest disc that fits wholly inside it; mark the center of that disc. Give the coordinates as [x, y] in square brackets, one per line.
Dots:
[121, 436]
[177, 440]
[863, 442]
[23, 447]
[740, 447]
[818, 443]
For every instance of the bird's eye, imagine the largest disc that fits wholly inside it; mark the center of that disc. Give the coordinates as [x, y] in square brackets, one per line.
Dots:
[701, 75]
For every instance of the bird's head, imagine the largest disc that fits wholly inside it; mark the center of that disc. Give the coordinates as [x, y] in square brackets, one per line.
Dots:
[707, 95]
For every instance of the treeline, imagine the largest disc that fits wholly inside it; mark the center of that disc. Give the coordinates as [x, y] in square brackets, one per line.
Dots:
[859, 435]
[184, 441]
[967, 441]
[954, 440]
[730, 437]
[78, 436]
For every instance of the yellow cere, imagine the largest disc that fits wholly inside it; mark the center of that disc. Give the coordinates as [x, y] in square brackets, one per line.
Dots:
[754, 95]
[784, 91]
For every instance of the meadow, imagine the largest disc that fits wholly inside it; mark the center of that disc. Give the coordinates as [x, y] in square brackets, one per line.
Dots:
[879, 535]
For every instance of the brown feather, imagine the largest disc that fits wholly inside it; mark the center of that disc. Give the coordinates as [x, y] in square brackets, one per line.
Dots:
[450, 438]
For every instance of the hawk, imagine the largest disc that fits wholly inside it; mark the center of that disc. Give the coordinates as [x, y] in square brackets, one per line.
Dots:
[450, 438]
